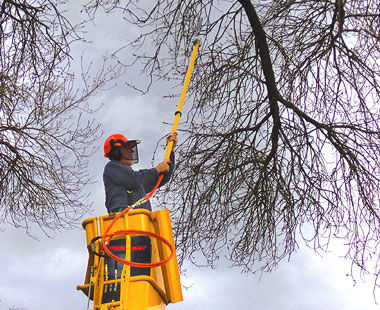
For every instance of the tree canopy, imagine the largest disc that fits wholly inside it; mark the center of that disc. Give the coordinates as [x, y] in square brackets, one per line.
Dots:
[45, 131]
[282, 138]
[283, 132]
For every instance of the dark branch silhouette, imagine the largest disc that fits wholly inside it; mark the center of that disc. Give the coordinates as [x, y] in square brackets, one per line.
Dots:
[46, 129]
[282, 139]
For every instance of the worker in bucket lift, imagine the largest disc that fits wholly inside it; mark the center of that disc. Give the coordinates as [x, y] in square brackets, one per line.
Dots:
[123, 187]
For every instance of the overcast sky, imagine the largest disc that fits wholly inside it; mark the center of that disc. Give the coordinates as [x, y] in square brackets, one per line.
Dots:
[42, 274]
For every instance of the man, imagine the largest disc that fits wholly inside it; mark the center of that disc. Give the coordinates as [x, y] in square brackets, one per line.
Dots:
[123, 187]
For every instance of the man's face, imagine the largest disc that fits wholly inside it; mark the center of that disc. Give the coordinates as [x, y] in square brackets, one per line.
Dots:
[127, 154]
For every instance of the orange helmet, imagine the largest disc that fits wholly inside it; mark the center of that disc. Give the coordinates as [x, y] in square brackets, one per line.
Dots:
[118, 141]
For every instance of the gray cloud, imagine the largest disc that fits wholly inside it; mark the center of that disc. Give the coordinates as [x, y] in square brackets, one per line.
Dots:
[43, 274]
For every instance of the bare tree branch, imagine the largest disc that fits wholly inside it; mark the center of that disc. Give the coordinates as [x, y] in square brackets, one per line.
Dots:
[283, 136]
[46, 129]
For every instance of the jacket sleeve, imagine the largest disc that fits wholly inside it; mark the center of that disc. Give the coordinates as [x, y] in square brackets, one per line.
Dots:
[126, 177]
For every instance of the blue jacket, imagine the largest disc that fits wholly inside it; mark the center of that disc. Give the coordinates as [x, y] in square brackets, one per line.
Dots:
[124, 186]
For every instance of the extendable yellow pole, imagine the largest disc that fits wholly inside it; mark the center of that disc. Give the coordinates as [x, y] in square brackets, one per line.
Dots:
[183, 94]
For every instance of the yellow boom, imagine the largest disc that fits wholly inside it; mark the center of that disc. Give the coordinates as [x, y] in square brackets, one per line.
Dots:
[183, 95]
